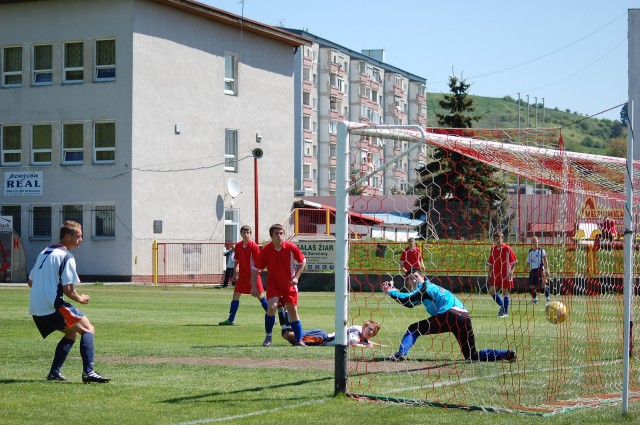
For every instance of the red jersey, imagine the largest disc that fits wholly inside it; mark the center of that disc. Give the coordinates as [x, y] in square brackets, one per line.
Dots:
[502, 259]
[411, 258]
[280, 266]
[245, 256]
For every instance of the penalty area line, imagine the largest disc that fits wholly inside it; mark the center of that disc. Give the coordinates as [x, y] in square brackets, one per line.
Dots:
[246, 415]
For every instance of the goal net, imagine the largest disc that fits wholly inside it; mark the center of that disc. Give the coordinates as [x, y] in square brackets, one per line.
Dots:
[453, 190]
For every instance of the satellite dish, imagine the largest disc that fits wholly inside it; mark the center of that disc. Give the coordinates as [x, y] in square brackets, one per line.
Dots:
[233, 188]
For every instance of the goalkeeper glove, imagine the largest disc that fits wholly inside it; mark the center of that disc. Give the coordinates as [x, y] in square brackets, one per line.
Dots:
[387, 286]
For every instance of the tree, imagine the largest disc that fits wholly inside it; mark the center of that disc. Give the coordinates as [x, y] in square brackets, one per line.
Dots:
[617, 147]
[624, 114]
[462, 197]
[459, 104]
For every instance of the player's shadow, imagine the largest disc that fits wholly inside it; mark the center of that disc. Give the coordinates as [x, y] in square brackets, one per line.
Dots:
[247, 390]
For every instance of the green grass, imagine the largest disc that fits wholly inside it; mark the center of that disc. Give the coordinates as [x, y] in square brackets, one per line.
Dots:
[454, 257]
[171, 364]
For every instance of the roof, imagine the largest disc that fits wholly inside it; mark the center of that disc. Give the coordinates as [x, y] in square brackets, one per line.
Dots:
[355, 218]
[394, 220]
[236, 21]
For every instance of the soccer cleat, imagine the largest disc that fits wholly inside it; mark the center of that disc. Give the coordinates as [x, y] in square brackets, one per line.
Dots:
[56, 377]
[502, 313]
[94, 376]
[534, 301]
[267, 341]
[397, 357]
[300, 344]
[511, 356]
[226, 323]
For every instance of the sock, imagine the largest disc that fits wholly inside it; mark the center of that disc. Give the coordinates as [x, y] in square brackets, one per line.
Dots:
[534, 294]
[407, 342]
[233, 309]
[546, 293]
[507, 300]
[488, 355]
[297, 329]
[263, 302]
[269, 321]
[498, 300]
[62, 351]
[283, 318]
[86, 352]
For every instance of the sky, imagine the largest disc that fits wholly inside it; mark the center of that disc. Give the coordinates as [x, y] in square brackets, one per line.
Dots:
[570, 55]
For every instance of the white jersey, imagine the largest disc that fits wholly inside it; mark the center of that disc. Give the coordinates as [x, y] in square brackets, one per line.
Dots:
[536, 258]
[54, 268]
[354, 336]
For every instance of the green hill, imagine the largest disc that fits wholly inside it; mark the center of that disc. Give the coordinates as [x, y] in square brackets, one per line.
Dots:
[580, 134]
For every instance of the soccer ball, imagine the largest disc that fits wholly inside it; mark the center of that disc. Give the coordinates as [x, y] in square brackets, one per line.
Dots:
[555, 312]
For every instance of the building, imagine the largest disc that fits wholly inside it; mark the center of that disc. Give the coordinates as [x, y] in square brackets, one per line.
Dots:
[133, 117]
[333, 84]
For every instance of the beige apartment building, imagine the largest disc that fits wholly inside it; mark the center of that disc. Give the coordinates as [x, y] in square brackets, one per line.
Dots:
[333, 84]
[133, 117]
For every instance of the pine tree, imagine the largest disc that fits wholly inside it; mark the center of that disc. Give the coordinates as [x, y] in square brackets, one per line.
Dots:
[462, 197]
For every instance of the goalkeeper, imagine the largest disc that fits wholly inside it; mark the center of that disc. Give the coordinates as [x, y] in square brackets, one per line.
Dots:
[447, 314]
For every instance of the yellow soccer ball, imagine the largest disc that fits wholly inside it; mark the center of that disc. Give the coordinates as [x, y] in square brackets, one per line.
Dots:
[555, 312]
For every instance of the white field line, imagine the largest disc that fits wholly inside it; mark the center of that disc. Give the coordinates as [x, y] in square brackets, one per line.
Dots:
[246, 415]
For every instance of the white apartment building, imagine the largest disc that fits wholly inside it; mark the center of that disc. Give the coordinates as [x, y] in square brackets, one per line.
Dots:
[132, 117]
[335, 84]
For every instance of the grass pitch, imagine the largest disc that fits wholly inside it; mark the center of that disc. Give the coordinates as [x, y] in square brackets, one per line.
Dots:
[172, 364]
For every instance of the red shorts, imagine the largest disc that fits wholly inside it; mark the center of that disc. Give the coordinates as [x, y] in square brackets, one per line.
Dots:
[289, 296]
[504, 284]
[243, 286]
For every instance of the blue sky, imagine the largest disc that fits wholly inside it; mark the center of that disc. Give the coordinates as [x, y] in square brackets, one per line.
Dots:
[571, 54]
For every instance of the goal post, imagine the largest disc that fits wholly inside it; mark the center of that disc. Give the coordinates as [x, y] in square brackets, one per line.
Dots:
[342, 284]
[580, 362]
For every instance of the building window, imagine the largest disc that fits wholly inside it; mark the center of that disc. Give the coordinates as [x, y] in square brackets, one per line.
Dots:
[11, 145]
[16, 212]
[104, 144]
[231, 225]
[104, 221]
[333, 127]
[73, 71]
[71, 212]
[307, 171]
[72, 143]
[306, 123]
[230, 74]
[231, 150]
[42, 65]
[40, 223]
[12, 66]
[41, 144]
[308, 147]
[105, 60]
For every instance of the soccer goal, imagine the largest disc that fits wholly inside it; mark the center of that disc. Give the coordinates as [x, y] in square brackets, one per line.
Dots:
[453, 190]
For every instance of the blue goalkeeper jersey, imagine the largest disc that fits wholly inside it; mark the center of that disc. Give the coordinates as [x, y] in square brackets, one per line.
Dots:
[435, 299]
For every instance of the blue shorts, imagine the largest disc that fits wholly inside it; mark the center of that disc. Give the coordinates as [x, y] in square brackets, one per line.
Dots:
[65, 316]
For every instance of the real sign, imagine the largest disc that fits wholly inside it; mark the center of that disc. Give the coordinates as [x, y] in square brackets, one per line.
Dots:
[22, 183]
